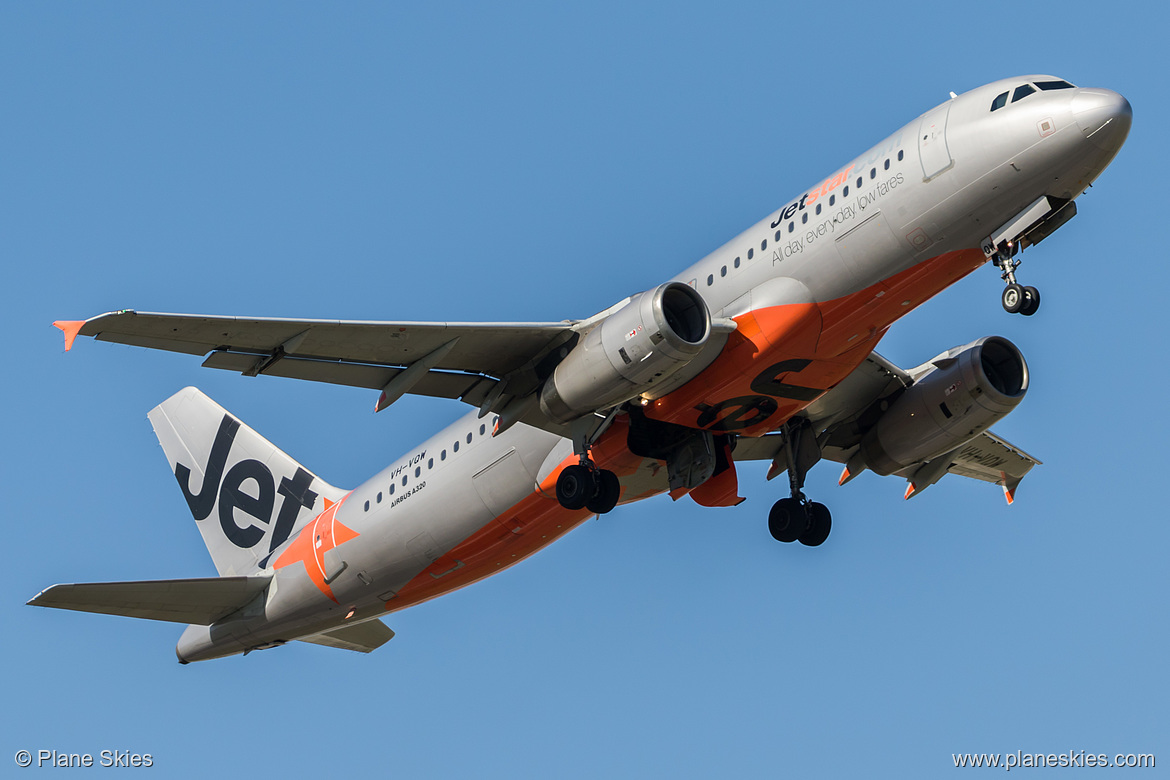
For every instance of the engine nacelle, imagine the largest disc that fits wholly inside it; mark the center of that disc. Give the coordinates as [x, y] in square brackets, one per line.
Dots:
[632, 350]
[969, 389]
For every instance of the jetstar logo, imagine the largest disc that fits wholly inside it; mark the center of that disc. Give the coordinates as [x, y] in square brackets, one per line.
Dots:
[812, 196]
[256, 502]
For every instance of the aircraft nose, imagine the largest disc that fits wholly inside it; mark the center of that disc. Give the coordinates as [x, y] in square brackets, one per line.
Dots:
[1103, 116]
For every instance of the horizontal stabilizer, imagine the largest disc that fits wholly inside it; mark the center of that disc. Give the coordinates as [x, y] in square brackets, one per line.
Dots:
[197, 601]
[360, 637]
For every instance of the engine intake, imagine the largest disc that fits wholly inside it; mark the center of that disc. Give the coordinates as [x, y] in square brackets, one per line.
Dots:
[633, 349]
[966, 391]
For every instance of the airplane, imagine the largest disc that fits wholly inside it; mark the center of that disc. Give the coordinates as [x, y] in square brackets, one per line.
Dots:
[762, 350]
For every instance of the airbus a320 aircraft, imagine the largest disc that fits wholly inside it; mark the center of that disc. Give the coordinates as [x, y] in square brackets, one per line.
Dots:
[763, 350]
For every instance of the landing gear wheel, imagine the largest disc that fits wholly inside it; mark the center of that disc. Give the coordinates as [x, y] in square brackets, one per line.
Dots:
[1013, 298]
[609, 490]
[1031, 301]
[820, 522]
[575, 486]
[787, 520]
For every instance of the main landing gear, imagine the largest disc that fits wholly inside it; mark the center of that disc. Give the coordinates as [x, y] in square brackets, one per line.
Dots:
[1016, 298]
[796, 518]
[584, 486]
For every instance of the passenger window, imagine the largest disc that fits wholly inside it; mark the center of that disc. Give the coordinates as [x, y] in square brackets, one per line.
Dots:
[751, 252]
[1022, 92]
[710, 279]
[763, 245]
[469, 438]
[454, 448]
[818, 209]
[899, 155]
[443, 455]
[404, 482]
[845, 193]
[791, 226]
[430, 463]
[1050, 85]
[832, 200]
[482, 430]
[777, 236]
[379, 496]
[391, 488]
[887, 163]
[859, 181]
[723, 271]
[872, 174]
[417, 470]
[804, 218]
[367, 506]
[737, 262]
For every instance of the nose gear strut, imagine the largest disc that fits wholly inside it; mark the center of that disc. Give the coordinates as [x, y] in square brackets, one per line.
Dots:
[1016, 298]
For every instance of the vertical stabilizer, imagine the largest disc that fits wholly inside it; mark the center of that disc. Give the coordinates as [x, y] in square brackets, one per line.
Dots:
[246, 495]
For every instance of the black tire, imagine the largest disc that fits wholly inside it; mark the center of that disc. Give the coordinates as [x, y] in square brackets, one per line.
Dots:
[1031, 301]
[1012, 298]
[787, 520]
[820, 522]
[609, 490]
[575, 486]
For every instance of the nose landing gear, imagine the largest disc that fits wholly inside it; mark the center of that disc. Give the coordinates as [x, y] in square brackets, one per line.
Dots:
[1016, 298]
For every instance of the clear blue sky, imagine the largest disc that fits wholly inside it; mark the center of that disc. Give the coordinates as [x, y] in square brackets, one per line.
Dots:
[531, 162]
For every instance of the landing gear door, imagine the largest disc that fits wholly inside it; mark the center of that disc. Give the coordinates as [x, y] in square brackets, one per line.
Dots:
[932, 143]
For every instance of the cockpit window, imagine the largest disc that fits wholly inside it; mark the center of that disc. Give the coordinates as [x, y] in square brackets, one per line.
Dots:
[999, 102]
[1050, 85]
[1022, 92]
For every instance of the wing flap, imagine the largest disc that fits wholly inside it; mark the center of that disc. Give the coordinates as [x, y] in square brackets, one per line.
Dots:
[438, 384]
[991, 459]
[361, 638]
[199, 601]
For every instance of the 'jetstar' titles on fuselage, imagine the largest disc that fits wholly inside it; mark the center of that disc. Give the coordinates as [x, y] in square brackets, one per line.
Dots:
[810, 197]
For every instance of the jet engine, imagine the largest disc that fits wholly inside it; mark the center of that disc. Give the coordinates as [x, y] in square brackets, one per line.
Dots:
[963, 393]
[632, 350]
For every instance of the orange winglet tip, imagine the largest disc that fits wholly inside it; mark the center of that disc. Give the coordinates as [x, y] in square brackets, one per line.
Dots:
[1010, 495]
[70, 328]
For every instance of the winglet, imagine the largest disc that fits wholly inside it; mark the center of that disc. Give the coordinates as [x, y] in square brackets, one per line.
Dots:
[70, 328]
[1009, 487]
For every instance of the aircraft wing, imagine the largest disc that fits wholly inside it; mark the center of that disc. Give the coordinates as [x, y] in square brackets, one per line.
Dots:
[838, 419]
[450, 359]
